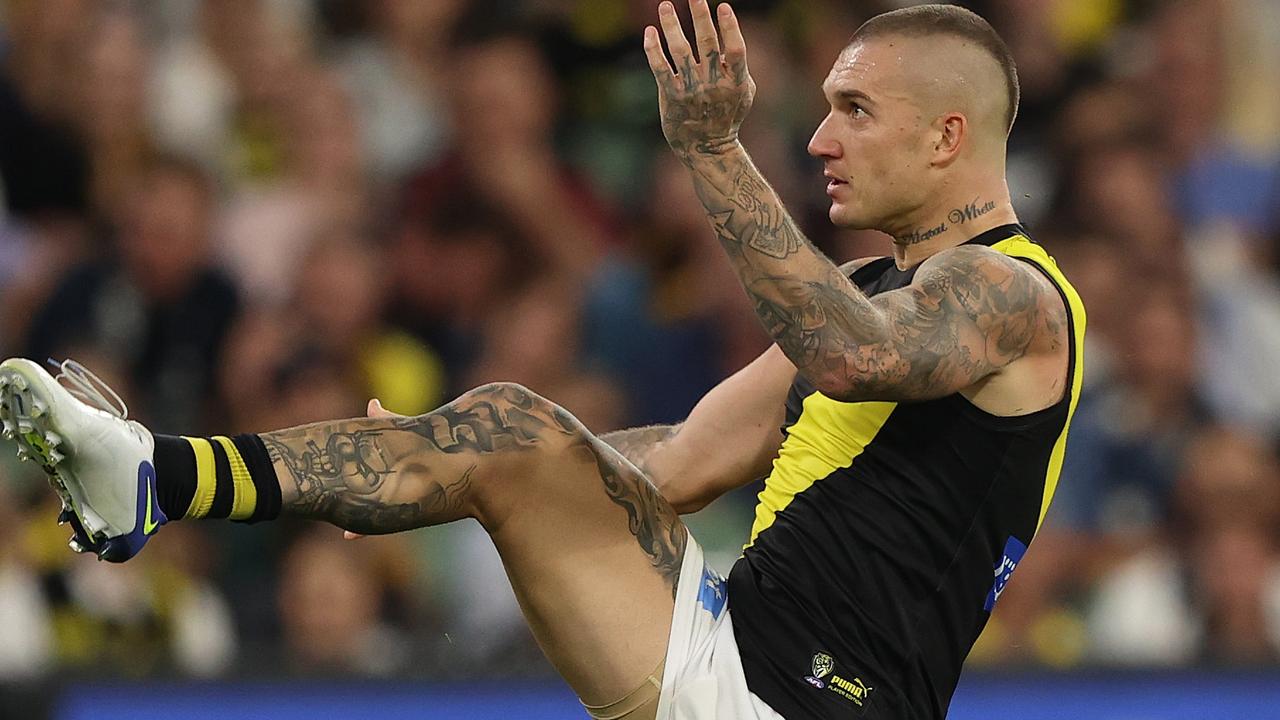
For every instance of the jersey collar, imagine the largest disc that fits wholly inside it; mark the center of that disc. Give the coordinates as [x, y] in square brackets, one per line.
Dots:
[996, 234]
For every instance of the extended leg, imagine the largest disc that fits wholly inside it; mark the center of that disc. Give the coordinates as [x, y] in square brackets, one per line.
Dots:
[592, 550]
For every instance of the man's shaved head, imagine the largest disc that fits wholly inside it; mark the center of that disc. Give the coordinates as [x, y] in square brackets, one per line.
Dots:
[922, 101]
[952, 22]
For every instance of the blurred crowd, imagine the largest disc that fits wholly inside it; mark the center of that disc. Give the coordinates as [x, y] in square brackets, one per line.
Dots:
[250, 214]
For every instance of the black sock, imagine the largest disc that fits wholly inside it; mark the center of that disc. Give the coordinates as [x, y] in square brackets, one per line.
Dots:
[217, 477]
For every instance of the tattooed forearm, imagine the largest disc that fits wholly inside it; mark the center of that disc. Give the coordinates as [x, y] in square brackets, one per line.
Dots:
[969, 312]
[745, 213]
[922, 341]
[802, 315]
[639, 444]
[796, 291]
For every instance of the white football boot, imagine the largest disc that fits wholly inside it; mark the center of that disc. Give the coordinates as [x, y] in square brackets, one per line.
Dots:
[99, 462]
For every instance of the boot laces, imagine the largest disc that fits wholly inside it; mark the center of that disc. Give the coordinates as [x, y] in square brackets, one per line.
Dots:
[89, 388]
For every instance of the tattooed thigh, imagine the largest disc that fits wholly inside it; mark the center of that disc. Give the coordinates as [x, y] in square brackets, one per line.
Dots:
[653, 522]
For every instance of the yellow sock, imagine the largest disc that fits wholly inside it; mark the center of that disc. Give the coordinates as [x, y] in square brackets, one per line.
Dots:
[216, 477]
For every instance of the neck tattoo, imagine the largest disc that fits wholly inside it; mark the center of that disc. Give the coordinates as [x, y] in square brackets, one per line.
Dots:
[973, 210]
[919, 235]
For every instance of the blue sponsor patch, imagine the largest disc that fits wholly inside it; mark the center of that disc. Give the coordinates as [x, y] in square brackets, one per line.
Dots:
[1013, 552]
[713, 594]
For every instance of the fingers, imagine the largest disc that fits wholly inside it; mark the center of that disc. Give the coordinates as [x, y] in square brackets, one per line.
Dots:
[653, 51]
[375, 410]
[704, 31]
[735, 47]
[677, 44]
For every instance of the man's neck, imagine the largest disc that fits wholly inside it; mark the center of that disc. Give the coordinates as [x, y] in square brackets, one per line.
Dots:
[949, 225]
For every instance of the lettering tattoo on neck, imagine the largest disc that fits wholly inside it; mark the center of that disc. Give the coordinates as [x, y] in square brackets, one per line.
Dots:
[957, 216]
[919, 235]
[973, 210]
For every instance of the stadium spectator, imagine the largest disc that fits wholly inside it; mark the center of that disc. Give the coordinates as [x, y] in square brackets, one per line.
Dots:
[330, 597]
[1207, 587]
[658, 317]
[505, 95]
[380, 361]
[1130, 432]
[157, 309]
[397, 74]
[111, 112]
[449, 268]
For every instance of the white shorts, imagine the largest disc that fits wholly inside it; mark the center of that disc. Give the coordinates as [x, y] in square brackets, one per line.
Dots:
[703, 679]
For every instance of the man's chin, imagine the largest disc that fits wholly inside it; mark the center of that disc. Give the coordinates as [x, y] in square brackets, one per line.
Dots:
[842, 216]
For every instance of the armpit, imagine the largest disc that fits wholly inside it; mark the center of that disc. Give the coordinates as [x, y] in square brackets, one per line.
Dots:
[853, 266]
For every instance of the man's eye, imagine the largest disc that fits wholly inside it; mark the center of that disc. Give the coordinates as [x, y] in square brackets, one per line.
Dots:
[856, 111]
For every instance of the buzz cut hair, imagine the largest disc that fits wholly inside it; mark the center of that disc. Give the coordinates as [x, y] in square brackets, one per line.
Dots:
[953, 21]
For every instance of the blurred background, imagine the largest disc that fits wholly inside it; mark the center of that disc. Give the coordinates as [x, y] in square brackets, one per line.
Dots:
[249, 214]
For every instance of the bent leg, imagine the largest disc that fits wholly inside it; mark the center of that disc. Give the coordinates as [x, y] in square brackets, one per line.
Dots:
[592, 549]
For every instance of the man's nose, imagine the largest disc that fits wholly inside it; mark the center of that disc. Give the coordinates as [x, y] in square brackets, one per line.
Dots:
[822, 144]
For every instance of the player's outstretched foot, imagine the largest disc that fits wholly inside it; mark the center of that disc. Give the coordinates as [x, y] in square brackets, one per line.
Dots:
[98, 461]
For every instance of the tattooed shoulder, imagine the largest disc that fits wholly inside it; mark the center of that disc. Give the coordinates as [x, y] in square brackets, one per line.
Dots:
[969, 312]
[1010, 302]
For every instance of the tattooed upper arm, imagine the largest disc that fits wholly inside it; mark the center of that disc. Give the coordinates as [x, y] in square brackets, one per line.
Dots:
[969, 312]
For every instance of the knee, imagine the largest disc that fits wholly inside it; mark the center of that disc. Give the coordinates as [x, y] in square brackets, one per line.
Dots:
[507, 396]
[504, 393]
[513, 417]
[524, 445]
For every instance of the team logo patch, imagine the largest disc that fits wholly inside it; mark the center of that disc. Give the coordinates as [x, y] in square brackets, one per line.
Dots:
[712, 595]
[1014, 549]
[824, 677]
[823, 665]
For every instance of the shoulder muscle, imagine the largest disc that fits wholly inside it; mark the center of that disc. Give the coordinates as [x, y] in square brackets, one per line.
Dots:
[1004, 298]
[969, 312]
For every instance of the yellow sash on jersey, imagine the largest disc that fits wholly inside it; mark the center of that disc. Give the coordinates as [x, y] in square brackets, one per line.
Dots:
[1020, 246]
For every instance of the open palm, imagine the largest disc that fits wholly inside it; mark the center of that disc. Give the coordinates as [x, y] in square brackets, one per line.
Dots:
[703, 100]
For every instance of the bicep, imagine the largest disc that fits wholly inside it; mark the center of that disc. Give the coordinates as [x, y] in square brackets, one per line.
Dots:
[969, 313]
[731, 436]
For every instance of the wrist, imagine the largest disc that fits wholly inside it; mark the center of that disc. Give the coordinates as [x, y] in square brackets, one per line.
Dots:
[709, 149]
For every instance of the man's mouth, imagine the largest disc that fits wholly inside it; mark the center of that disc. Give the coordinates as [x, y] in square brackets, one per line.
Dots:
[834, 183]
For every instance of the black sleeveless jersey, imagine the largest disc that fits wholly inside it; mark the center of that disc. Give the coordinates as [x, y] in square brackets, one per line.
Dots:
[887, 531]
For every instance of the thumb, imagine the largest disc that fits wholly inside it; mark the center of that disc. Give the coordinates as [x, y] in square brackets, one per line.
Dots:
[375, 410]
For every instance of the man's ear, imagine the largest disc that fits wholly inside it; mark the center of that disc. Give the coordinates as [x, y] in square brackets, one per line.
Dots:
[953, 132]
